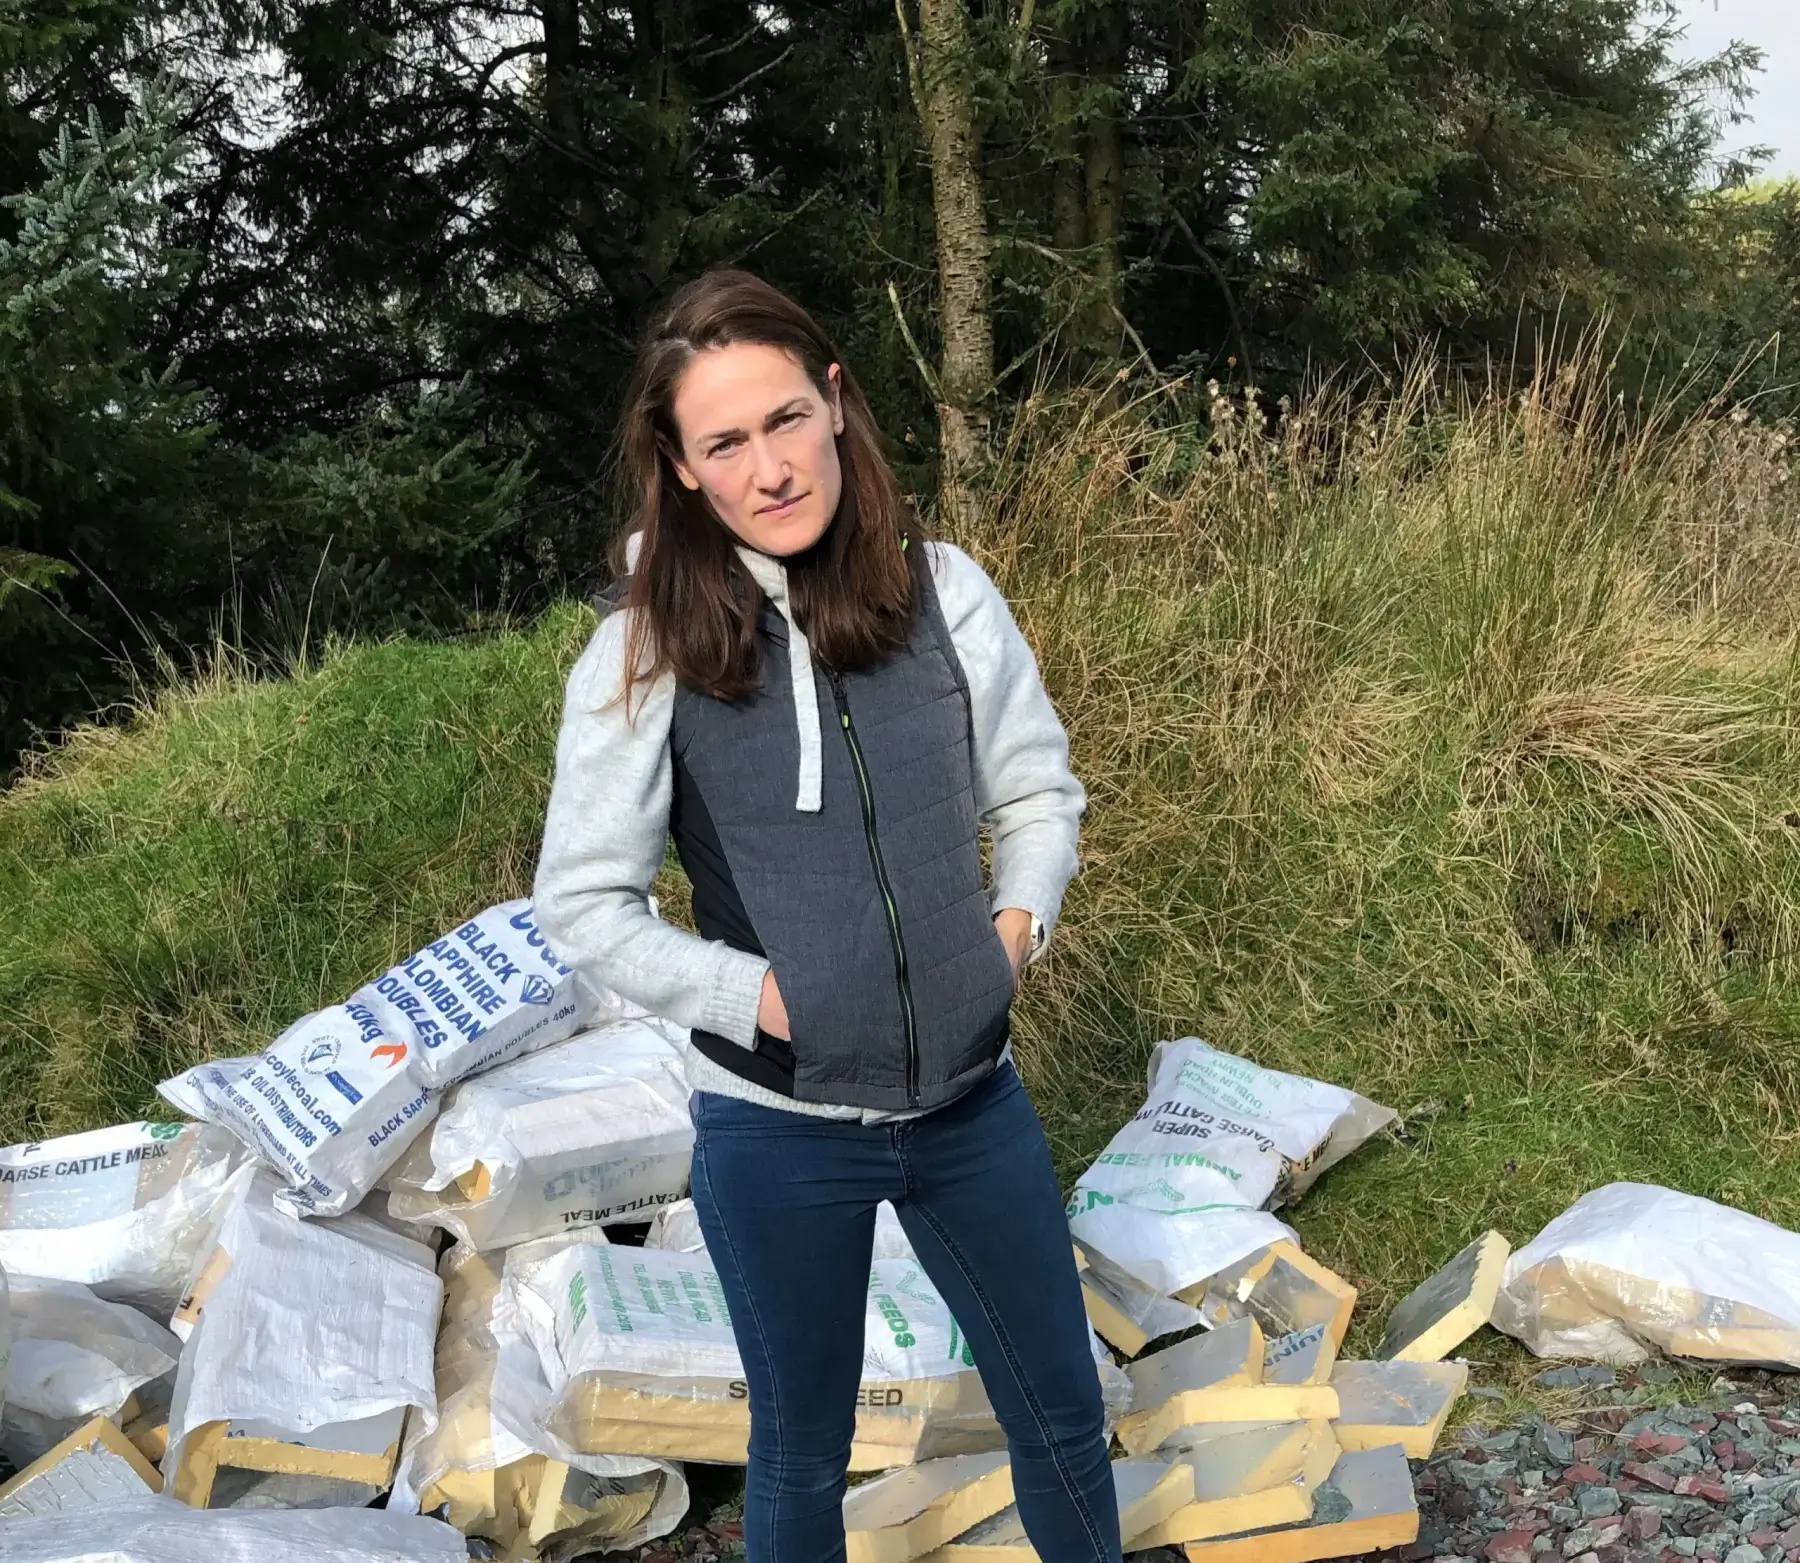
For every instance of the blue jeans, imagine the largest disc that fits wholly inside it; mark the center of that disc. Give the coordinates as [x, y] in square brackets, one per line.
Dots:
[787, 1203]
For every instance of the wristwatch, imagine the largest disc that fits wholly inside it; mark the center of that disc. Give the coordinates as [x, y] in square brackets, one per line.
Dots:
[1040, 939]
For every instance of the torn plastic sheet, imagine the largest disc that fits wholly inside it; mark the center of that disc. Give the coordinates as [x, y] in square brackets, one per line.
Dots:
[1182, 1191]
[1632, 1268]
[489, 1449]
[676, 1229]
[123, 1210]
[74, 1356]
[591, 1130]
[1153, 1313]
[333, 1102]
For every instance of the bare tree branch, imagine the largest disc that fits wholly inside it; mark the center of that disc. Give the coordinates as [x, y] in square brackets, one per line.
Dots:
[912, 60]
[925, 370]
[738, 86]
[700, 57]
[505, 57]
[1218, 273]
[1088, 277]
[787, 218]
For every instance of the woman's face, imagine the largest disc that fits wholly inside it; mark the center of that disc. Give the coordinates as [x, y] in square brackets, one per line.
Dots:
[758, 439]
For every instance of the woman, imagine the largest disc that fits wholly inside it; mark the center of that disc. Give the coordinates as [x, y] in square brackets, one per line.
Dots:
[823, 711]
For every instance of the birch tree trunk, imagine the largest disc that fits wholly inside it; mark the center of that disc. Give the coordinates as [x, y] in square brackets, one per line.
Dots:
[945, 90]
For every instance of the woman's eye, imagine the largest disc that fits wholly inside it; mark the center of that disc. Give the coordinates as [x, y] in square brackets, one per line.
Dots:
[723, 448]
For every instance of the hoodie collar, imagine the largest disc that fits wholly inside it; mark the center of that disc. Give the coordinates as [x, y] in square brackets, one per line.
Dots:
[771, 576]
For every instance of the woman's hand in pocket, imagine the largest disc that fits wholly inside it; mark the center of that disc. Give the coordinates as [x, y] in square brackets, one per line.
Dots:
[771, 1012]
[1014, 928]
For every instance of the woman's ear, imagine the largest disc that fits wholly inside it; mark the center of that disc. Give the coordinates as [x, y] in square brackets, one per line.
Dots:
[834, 379]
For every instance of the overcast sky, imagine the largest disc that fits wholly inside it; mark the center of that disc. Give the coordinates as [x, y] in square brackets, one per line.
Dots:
[1774, 27]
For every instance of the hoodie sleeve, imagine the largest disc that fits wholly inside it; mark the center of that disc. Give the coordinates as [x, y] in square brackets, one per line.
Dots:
[606, 831]
[1027, 796]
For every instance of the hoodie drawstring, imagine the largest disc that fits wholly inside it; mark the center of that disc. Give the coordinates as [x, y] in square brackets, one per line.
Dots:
[770, 575]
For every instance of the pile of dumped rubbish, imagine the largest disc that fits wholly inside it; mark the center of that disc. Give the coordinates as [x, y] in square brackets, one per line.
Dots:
[420, 1281]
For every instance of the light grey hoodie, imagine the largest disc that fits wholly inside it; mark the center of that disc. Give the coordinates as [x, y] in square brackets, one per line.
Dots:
[607, 827]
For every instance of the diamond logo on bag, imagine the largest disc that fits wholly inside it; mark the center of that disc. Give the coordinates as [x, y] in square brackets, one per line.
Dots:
[318, 1058]
[537, 991]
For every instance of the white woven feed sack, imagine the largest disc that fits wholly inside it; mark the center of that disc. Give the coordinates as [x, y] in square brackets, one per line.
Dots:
[636, 1345]
[160, 1530]
[319, 1331]
[677, 1227]
[6, 1336]
[329, 1104]
[74, 1356]
[492, 1399]
[1181, 1191]
[124, 1210]
[1632, 1267]
[486, 992]
[336, 1099]
[593, 1129]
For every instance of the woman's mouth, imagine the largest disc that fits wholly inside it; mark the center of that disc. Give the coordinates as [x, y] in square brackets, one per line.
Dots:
[785, 508]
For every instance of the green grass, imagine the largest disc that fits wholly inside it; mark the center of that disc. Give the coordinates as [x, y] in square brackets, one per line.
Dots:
[1446, 750]
[246, 851]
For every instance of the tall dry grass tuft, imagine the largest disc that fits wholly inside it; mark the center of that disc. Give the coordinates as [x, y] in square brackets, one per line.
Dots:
[1431, 740]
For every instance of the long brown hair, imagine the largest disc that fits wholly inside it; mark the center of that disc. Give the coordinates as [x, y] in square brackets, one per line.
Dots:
[851, 592]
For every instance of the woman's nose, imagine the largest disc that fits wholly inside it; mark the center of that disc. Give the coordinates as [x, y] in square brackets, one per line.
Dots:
[770, 469]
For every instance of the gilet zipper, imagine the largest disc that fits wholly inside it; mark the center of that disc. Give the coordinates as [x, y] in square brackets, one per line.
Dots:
[887, 890]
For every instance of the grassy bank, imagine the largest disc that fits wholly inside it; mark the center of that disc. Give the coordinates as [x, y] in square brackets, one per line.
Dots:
[1447, 751]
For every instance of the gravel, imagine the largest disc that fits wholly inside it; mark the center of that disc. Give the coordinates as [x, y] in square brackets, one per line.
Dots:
[1621, 1480]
